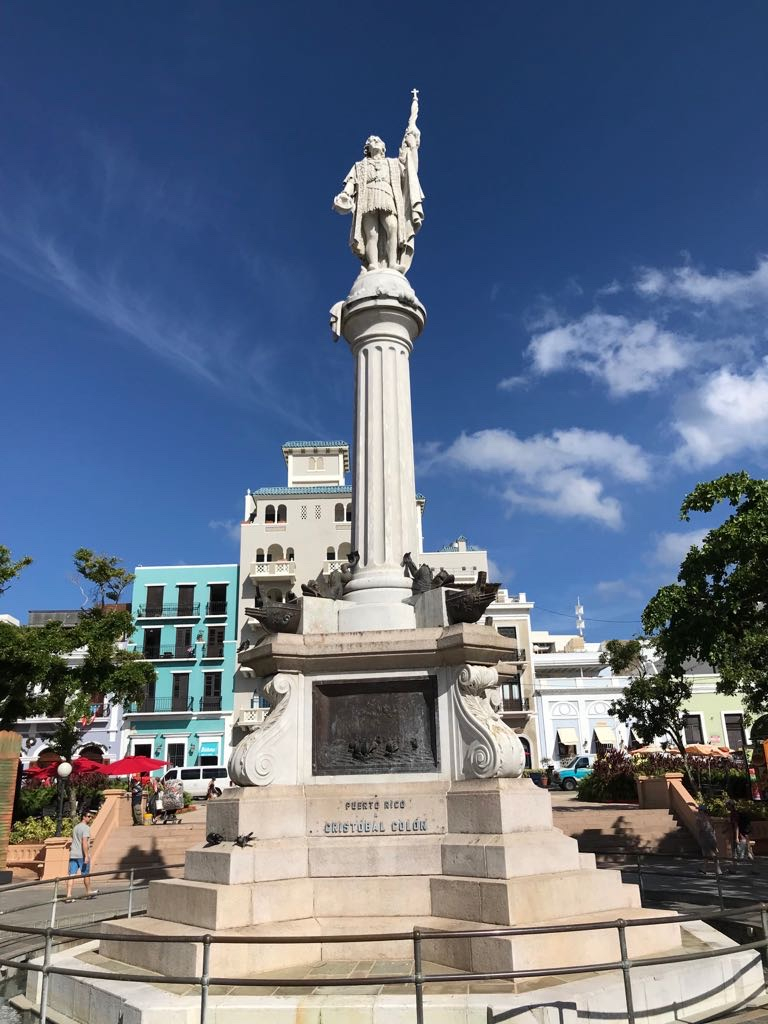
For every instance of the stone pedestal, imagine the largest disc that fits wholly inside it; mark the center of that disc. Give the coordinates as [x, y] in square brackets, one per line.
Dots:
[380, 320]
[387, 857]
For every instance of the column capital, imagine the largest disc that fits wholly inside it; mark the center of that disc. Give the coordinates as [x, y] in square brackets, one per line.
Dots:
[382, 304]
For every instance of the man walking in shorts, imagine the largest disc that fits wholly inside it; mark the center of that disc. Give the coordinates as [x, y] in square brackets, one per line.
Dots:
[80, 856]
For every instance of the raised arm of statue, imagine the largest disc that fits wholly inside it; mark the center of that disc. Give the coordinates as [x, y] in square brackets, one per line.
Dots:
[410, 144]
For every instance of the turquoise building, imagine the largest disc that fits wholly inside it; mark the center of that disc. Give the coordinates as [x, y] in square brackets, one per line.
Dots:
[186, 625]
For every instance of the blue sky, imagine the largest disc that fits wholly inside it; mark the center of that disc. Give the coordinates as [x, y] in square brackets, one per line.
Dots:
[592, 262]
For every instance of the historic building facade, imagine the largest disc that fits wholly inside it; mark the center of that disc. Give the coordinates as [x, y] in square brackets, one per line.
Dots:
[186, 625]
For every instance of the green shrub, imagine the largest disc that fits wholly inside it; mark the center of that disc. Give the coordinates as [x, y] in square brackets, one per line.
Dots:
[612, 778]
[37, 830]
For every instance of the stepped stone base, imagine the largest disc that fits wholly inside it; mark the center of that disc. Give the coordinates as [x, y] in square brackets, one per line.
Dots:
[387, 857]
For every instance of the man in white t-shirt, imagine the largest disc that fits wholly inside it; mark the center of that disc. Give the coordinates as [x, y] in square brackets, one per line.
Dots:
[80, 855]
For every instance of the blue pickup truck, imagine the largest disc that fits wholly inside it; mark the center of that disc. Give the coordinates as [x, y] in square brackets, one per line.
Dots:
[573, 771]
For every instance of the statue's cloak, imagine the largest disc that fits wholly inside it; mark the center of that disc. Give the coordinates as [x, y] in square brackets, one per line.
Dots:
[409, 200]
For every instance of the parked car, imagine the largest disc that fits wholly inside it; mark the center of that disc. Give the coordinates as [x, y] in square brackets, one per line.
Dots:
[571, 773]
[196, 780]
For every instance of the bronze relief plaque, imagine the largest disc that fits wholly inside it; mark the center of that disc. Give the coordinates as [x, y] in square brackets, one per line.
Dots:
[375, 727]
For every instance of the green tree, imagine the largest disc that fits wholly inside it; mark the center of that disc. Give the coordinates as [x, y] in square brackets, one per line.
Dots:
[9, 570]
[717, 611]
[654, 701]
[34, 664]
[105, 575]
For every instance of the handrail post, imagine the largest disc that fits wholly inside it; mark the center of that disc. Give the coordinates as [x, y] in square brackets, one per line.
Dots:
[46, 977]
[719, 881]
[418, 976]
[204, 977]
[764, 924]
[54, 903]
[130, 893]
[640, 882]
[626, 967]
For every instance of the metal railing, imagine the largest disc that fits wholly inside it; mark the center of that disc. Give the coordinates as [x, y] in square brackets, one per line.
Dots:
[213, 651]
[210, 704]
[169, 652]
[417, 936]
[216, 608]
[153, 705]
[185, 610]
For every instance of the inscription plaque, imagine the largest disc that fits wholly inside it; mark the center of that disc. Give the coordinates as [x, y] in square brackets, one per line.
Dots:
[375, 727]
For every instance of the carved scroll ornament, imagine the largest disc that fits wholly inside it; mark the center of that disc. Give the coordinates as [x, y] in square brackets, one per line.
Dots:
[490, 748]
[270, 744]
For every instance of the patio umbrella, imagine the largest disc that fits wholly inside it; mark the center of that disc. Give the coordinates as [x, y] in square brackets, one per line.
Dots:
[134, 764]
[707, 750]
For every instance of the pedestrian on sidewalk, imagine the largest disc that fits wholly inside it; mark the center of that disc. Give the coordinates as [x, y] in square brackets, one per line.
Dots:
[80, 855]
[137, 792]
[707, 837]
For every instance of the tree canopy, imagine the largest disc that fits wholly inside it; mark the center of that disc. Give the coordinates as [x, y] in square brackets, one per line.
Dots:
[717, 611]
[654, 701]
[41, 677]
[9, 569]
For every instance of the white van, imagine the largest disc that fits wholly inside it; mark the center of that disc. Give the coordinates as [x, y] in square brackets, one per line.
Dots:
[196, 780]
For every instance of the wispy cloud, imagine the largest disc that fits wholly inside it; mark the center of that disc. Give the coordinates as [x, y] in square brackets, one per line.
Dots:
[671, 548]
[618, 588]
[629, 356]
[229, 527]
[723, 288]
[559, 474]
[512, 383]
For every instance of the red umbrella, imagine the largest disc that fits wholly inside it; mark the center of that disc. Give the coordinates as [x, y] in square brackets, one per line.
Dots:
[133, 765]
[80, 766]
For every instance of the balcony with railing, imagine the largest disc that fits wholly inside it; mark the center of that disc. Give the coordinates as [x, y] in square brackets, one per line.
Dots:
[280, 570]
[100, 710]
[168, 652]
[160, 705]
[214, 608]
[514, 705]
[213, 651]
[210, 703]
[181, 610]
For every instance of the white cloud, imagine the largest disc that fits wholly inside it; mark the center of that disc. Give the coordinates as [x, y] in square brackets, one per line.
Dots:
[229, 527]
[612, 288]
[512, 383]
[554, 473]
[725, 287]
[617, 588]
[671, 548]
[629, 356]
[725, 415]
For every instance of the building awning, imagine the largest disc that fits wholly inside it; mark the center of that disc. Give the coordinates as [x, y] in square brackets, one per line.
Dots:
[568, 737]
[605, 735]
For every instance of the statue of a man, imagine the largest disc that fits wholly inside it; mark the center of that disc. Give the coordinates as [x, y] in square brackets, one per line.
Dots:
[385, 199]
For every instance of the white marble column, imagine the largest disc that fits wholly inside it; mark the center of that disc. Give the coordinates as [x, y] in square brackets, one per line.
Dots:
[381, 319]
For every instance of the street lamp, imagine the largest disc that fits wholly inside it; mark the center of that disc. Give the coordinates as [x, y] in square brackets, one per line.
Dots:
[63, 771]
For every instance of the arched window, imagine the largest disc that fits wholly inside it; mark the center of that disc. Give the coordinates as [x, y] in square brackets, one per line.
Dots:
[274, 553]
[275, 595]
[349, 512]
[330, 554]
[319, 462]
[312, 463]
[269, 514]
[282, 514]
[93, 751]
[344, 549]
[260, 554]
[338, 513]
[290, 555]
